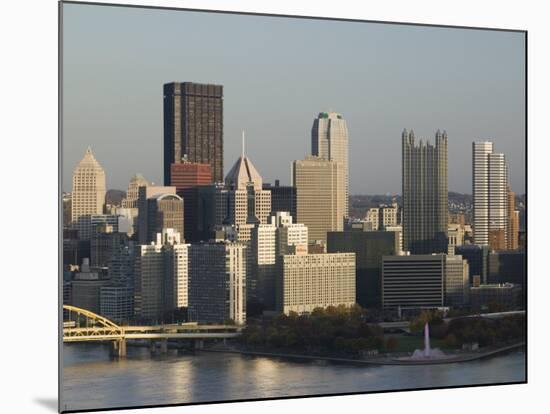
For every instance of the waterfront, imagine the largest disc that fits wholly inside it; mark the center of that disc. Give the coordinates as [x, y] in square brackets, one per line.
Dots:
[92, 380]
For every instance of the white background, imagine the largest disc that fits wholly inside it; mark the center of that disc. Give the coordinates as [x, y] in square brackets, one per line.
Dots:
[28, 235]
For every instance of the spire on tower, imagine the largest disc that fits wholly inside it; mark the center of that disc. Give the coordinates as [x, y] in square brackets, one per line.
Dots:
[242, 149]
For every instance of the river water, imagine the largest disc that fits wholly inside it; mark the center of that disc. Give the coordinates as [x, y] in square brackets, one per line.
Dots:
[91, 379]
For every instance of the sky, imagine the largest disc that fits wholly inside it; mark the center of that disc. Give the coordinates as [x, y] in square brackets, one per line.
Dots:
[278, 74]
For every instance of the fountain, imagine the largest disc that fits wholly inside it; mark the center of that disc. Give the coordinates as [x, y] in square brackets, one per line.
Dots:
[427, 353]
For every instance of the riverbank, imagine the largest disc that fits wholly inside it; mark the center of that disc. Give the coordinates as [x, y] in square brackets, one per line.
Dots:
[386, 359]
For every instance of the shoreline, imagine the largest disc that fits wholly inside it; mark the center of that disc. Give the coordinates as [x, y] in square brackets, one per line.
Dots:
[384, 360]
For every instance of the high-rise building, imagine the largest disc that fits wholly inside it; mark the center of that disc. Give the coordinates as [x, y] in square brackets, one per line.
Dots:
[103, 243]
[212, 210]
[319, 202]
[369, 248]
[490, 196]
[424, 281]
[217, 282]
[187, 177]
[386, 215]
[248, 203]
[477, 257]
[268, 242]
[188, 174]
[512, 230]
[283, 197]
[161, 276]
[389, 215]
[151, 220]
[88, 195]
[413, 281]
[372, 218]
[457, 282]
[85, 288]
[193, 126]
[309, 281]
[132, 195]
[116, 303]
[329, 140]
[425, 196]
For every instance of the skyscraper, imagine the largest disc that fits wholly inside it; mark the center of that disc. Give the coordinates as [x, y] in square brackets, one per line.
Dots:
[369, 248]
[490, 196]
[329, 140]
[319, 203]
[158, 208]
[88, 196]
[217, 282]
[193, 126]
[425, 196]
[248, 203]
[131, 199]
[283, 198]
[161, 280]
[186, 177]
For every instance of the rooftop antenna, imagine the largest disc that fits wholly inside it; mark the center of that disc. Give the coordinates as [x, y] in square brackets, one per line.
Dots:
[242, 155]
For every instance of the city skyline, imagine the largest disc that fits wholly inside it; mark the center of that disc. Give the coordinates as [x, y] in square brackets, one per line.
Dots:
[482, 99]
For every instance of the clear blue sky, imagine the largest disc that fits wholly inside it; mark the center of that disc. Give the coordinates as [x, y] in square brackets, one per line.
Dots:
[278, 73]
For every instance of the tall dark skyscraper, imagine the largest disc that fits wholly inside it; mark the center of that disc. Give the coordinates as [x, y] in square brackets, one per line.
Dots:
[193, 126]
[425, 194]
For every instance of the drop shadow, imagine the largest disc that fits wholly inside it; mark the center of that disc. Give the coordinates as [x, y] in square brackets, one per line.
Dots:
[49, 403]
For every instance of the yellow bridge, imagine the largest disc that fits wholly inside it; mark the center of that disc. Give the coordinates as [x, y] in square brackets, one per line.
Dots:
[83, 325]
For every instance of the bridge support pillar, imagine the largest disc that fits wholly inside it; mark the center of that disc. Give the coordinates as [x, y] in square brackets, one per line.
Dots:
[163, 346]
[199, 344]
[118, 348]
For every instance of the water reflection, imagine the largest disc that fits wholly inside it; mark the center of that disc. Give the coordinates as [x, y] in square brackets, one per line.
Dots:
[92, 380]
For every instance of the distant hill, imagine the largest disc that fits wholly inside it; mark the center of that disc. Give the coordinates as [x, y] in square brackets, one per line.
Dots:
[114, 197]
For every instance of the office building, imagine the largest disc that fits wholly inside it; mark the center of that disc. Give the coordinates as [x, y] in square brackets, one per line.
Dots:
[455, 233]
[267, 243]
[187, 177]
[329, 140]
[478, 258]
[490, 196]
[88, 195]
[413, 281]
[161, 277]
[309, 281]
[505, 296]
[506, 267]
[116, 303]
[283, 197]
[372, 218]
[457, 282]
[85, 288]
[319, 203]
[132, 195]
[212, 210]
[248, 203]
[103, 243]
[193, 126]
[158, 208]
[512, 242]
[369, 248]
[425, 197]
[217, 282]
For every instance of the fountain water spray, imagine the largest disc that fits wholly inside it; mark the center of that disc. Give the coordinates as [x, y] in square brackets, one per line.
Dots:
[426, 340]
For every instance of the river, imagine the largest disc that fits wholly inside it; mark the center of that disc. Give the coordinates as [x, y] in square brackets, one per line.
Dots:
[91, 379]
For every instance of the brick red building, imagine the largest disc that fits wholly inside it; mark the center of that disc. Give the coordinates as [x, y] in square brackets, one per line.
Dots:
[186, 177]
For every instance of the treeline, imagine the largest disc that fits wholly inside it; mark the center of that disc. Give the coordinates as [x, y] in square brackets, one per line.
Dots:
[334, 330]
[484, 331]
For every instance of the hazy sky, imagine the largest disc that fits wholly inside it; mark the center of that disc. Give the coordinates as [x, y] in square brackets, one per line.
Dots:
[278, 73]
